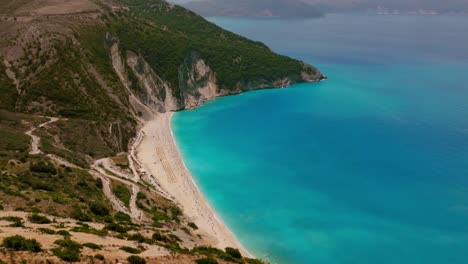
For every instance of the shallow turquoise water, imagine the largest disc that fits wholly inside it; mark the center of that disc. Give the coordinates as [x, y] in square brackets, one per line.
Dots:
[370, 166]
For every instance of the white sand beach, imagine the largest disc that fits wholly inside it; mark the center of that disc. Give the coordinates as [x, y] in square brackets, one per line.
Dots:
[160, 158]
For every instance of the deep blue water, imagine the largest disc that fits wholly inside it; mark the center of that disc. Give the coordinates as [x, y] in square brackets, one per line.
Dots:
[368, 167]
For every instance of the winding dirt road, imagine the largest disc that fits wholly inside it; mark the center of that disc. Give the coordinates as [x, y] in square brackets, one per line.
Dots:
[36, 141]
[105, 169]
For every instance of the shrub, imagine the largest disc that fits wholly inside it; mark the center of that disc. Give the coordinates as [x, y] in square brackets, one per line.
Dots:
[89, 230]
[47, 231]
[233, 252]
[15, 221]
[206, 261]
[98, 183]
[99, 256]
[68, 250]
[141, 196]
[43, 167]
[136, 260]
[38, 219]
[99, 209]
[79, 215]
[116, 228]
[19, 243]
[193, 225]
[130, 250]
[253, 261]
[64, 233]
[67, 254]
[121, 217]
[138, 237]
[122, 192]
[161, 238]
[92, 246]
[214, 252]
[175, 238]
[68, 243]
[186, 230]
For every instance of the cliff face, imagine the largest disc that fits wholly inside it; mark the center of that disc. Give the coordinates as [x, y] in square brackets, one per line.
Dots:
[197, 82]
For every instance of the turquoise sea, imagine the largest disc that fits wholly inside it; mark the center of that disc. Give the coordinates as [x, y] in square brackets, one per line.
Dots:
[368, 167]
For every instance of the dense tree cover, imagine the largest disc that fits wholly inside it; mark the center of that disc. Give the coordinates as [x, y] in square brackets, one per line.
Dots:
[8, 93]
[166, 35]
[12, 140]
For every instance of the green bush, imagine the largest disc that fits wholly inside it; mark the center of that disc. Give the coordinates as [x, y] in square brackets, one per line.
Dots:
[130, 250]
[92, 246]
[99, 209]
[43, 167]
[15, 221]
[161, 238]
[68, 243]
[19, 243]
[122, 192]
[46, 231]
[214, 252]
[68, 250]
[233, 252]
[116, 228]
[136, 260]
[89, 230]
[193, 225]
[64, 233]
[99, 256]
[138, 237]
[253, 261]
[206, 261]
[80, 215]
[121, 217]
[38, 219]
[67, 254]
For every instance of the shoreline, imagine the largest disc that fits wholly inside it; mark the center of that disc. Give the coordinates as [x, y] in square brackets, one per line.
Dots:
[161, 158]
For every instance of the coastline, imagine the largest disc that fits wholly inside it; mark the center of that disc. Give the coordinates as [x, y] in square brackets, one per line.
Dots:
[160, 157]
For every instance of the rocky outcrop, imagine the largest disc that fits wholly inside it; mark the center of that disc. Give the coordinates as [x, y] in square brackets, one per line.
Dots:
[151, 89]
[197, 82]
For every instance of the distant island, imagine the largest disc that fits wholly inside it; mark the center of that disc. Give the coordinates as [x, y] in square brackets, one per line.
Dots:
[257, 9]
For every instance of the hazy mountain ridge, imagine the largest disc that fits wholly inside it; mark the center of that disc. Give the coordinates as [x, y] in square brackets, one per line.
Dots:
[255, 8]
[258, 8]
